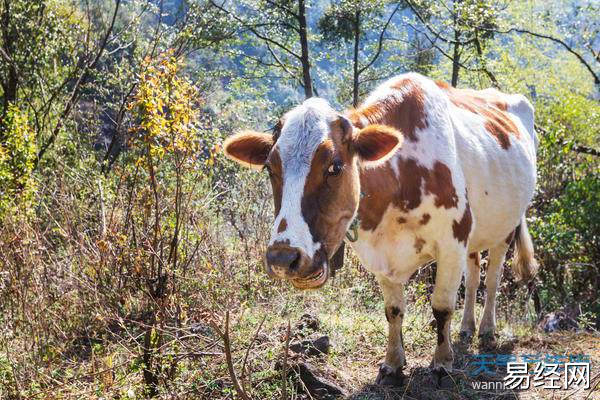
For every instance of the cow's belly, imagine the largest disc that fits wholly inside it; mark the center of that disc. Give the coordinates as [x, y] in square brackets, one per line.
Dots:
[500, 183]
[395, 250]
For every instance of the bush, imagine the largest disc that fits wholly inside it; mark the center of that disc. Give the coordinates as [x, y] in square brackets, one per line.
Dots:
[17, 160]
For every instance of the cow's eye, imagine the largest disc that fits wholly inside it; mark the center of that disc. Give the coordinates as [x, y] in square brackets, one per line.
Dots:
[335, 168]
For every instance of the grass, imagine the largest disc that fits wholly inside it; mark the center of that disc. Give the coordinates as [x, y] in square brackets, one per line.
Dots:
[350, 312]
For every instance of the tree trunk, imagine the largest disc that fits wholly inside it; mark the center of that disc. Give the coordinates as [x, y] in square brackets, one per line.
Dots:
[356, 74]
[304, 59]
[456, 53]
[455, 60]
[10, 85]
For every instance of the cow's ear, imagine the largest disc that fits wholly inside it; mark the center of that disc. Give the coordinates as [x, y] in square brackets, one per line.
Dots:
[375, 144]
[249, 148]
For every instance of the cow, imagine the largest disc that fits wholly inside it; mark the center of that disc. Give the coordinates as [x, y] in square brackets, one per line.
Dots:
[425, 172]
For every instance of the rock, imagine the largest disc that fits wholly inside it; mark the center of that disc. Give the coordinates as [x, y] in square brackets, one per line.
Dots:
[312, 347]
[200, 328]
[318, 387]
[307, 322]
[558, 321]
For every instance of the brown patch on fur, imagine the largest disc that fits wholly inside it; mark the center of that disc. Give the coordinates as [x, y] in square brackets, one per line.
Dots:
[276, 177]
[382, 188]
[327, 200]
[488, 104]
[391, 313]
[405, 113]
[441, 317]
[440, 185]
[411, 173]
[401, 220]
[418, 245]
[282, 226]
[462, 228]
[476, 257]
[509, 238]
[438, 182]
[425, 219]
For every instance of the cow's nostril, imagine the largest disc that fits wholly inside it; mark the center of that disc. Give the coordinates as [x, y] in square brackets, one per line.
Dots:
[286, 258]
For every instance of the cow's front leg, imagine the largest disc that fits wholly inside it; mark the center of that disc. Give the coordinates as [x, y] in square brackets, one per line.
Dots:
[450, 266]
[390, 372]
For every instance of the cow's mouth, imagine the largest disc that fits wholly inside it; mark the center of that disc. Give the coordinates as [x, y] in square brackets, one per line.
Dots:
[314, 281]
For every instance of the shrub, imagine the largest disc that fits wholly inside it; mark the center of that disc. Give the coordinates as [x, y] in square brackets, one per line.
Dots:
[17, 160]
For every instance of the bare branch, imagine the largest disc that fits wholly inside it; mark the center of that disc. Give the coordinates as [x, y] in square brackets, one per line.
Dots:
[380, 42]
[578, 148]
[250, 347]
[76, 88]
[283, 8]
[445, 54]
[284, 369]
[555, 40]
[255, 32]
[585, 150]
[433, 31]
[283, 66]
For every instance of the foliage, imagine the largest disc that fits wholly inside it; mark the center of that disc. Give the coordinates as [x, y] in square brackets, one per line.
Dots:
[566, 225]
[17, 158]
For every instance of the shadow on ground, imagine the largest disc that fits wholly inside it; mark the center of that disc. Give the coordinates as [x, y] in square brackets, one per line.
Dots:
[421, 383]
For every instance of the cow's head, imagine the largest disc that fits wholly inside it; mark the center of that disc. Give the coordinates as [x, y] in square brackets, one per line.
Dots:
[313, 160]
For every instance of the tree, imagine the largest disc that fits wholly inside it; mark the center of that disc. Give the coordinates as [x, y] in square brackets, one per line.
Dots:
[465, 27]
[46, 61]
[349, 21]
[281, 32]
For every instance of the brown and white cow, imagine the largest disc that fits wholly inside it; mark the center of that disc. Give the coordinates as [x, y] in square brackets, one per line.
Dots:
[429, 171]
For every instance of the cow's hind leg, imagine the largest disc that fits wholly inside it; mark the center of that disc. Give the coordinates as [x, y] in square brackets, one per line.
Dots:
[451, 264]
[487, 326]
[390, 372]
[467, 327]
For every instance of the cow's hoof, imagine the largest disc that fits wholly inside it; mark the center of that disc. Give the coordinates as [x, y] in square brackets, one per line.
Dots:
[439, 374]
[387, 376]
[466, 337]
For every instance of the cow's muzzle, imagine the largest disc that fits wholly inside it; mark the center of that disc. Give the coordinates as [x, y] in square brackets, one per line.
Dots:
[292, 263]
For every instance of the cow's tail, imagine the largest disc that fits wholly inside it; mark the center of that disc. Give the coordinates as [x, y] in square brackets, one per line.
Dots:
[524, 264]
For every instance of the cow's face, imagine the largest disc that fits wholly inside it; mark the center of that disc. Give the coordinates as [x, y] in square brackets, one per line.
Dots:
[313, 163]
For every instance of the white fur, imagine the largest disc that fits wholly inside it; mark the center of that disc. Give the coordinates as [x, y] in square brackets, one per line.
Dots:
[306, 126]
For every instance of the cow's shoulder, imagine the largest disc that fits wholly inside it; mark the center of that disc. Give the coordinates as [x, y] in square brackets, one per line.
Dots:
[400, 102]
